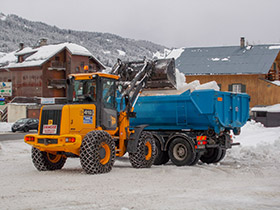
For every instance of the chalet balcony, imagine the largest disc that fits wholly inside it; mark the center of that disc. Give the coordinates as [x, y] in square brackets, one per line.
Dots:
[57, 65]
[57, 83]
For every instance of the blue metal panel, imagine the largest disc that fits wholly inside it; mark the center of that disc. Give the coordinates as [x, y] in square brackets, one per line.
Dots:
[199, 110]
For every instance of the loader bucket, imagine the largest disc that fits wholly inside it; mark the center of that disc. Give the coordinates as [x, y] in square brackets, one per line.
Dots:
[163, 74]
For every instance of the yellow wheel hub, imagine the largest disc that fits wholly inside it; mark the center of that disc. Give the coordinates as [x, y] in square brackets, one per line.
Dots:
[54, 158]
[105, 153]
[148, 148]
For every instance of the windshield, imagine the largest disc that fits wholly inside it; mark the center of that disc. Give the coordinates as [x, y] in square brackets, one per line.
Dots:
[84, 90]
[22, 120]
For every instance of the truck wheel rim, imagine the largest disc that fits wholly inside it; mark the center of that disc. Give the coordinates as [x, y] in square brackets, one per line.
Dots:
[148, 150]
[54, 158]
[180, 151]
[104, 153]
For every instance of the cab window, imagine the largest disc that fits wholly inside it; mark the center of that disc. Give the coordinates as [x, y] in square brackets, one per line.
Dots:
[108, 93]
[84, 91]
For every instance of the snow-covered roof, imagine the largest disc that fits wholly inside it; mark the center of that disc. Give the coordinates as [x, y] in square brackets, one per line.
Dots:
[8, 58]
[273, 108]
[255, 59]
[41, 54]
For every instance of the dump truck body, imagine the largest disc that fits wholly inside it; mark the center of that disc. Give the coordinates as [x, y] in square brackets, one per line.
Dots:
[197, 110]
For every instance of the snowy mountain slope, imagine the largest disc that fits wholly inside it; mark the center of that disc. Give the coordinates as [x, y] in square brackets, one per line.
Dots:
[105, 46]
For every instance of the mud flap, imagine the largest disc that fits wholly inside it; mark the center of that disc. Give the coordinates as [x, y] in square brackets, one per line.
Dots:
[134, 138]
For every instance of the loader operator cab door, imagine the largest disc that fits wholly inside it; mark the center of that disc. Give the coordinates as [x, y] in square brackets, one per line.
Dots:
[108, 105]
[99, 91]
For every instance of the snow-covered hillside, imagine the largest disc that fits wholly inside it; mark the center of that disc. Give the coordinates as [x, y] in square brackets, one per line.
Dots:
[105, 46]
[248, 178]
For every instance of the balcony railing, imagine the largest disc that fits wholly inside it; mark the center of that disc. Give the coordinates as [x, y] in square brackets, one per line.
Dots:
[271, 75]
[57, 83]
[57, 65]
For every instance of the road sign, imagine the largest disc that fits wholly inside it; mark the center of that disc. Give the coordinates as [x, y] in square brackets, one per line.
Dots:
[6, 88]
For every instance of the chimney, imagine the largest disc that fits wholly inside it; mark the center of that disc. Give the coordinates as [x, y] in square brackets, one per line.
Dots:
[21, 46]
[242, 42]
[43, 42]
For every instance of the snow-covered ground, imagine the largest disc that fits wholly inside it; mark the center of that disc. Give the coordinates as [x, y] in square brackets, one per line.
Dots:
[248, 178]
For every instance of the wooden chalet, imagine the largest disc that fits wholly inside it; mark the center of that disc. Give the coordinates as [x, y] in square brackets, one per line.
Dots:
[251, 69]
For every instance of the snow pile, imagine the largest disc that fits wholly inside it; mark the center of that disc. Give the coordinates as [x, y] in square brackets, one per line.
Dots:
[182, 86]
[258, 144]
[273, 108]
[5, 127]
[209, 85]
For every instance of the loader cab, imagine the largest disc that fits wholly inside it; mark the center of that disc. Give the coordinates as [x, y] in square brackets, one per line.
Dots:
[98, 89]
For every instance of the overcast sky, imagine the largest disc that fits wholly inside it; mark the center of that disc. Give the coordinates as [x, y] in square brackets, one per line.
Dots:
[175, 23]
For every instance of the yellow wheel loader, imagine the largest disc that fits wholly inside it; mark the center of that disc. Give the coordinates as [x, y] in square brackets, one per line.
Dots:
[94, 124]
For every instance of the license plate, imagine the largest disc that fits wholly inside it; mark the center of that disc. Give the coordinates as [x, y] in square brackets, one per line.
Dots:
[49, 129]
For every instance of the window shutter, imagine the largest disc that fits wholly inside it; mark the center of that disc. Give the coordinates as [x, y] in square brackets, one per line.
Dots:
[230, 88]
[243, 88]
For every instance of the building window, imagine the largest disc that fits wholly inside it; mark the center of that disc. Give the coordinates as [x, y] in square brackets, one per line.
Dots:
[237, 88]
[274, 66]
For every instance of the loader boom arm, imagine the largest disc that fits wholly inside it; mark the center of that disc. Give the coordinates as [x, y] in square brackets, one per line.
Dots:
[136, 75]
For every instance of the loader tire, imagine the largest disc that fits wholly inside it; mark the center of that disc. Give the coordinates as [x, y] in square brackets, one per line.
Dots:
[97, 152]
[162, 157]
[145, 155]
[181, 152]
[45, 161]
[212, 155]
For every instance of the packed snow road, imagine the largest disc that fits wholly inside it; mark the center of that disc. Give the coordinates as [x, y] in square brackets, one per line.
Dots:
[248, 178]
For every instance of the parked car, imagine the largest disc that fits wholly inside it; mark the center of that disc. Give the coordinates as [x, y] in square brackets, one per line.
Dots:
[25, 125]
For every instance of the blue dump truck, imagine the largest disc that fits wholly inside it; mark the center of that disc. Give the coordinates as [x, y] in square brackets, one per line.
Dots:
[192, 126]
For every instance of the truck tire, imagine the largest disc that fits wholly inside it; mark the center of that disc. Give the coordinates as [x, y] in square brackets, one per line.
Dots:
[145, 155]
[45, 161]
[222, 156]
[162, 157]
[196, 159]
[181, 152]
[212, 155]
[97, 152]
